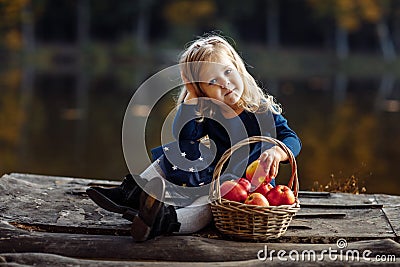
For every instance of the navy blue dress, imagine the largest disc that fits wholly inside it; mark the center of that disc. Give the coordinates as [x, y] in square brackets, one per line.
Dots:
[189, 162]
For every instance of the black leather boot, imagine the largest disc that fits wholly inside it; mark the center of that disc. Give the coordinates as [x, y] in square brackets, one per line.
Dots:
[154, 217]
[123, 199]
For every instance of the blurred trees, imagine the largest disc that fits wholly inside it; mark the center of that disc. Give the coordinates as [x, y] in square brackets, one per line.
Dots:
[12, 14]
[17, 25]
[175, 21]
[12, 117]
[273, 24]
[185, 17]
[83, 22]
[349, 16]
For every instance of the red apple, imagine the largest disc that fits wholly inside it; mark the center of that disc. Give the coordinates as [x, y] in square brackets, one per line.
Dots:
[263, 188]
[245, 183]
[256, 199]
[232, 190]
[280, 195]
[256, 174]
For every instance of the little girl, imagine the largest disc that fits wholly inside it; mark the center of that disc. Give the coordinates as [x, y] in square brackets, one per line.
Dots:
[222, 101]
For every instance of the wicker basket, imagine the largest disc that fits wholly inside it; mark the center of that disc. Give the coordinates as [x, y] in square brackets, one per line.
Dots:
[251, 222]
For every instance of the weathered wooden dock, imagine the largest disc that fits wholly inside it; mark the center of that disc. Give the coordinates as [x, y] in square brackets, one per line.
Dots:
[50, 221]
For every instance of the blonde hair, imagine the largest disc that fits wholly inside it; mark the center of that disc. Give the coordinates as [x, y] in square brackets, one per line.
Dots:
[211, 49]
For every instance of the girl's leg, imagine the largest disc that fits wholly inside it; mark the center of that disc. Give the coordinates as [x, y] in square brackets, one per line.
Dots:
[124, 198]
[194, 217]
[155, 218]
[152, 171]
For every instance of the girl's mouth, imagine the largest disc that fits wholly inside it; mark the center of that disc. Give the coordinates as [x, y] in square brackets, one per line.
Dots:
[229, 92]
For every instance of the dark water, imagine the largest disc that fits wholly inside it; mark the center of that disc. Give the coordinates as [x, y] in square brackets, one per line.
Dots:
[67, 124]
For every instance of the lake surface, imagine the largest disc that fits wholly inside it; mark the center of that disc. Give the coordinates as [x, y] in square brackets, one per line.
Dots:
[68, 124]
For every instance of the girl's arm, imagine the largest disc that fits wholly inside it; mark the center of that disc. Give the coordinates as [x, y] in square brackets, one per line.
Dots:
[273, 156]
[186, 125]
[191, 95]
[285, 134]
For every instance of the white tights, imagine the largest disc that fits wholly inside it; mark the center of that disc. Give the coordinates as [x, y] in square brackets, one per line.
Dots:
[192, 218]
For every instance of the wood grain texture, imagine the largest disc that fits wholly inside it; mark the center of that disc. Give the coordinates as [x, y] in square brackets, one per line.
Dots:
[47, 219]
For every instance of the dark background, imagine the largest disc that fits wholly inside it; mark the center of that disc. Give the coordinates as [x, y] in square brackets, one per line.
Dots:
[69, 68]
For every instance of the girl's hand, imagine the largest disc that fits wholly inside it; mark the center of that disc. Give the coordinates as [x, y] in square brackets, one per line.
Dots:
[191, 96]
[271, 158]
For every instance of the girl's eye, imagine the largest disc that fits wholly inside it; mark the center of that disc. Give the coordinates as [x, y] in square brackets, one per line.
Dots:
[212, 82]
[228, 71]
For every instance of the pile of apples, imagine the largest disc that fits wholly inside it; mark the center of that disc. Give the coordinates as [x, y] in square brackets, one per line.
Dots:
[256, 189]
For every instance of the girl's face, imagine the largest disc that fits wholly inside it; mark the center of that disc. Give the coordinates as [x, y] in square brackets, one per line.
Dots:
[221, 81]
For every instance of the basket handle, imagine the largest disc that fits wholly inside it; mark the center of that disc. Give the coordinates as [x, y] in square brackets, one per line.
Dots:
[215, 188]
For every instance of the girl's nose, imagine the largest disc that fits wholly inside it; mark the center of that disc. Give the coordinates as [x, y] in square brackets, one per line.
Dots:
[226, 84]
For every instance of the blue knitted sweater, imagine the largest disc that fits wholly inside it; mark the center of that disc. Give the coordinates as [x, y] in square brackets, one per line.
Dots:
[187, 161]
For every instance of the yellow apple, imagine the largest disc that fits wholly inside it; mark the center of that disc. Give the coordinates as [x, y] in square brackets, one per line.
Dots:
[256, 174]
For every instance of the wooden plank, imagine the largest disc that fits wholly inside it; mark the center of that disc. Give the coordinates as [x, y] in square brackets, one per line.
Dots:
[388, 200]
[331, 215]
[393, 216]
[391, 209]
[59, 180]
[166, 248]
[52, 204]
[308, 194]
[341, 206]
[338, 199]
[48, 201]
[43, 259]
[357, 224]
[306, 197]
